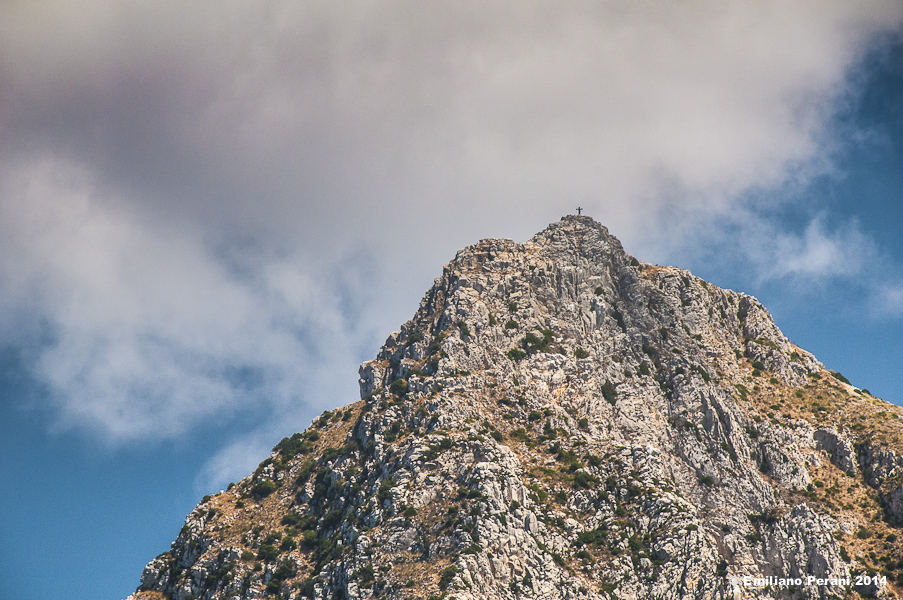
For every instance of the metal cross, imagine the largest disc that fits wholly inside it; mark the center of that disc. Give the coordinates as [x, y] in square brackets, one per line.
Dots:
[579, 209]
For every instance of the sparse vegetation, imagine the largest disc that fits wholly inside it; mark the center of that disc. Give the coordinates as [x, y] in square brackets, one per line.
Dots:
[263, 489]
[516, 354]
[399, 387]
[609, 392]
[448, 574]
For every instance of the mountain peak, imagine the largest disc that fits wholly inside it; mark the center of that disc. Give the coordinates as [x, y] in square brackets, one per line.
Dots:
[561, 420]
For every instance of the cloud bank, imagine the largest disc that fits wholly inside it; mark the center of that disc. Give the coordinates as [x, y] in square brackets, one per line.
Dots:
[209, 211]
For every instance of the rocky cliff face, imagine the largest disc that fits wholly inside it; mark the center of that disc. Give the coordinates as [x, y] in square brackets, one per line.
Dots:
[562, 421]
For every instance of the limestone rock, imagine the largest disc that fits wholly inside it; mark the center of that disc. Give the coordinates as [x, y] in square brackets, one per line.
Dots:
[558, 421]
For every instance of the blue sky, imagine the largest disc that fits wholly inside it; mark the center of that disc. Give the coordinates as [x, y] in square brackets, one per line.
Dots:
[209, 218]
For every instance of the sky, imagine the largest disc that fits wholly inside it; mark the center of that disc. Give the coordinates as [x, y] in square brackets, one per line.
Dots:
[212, 213]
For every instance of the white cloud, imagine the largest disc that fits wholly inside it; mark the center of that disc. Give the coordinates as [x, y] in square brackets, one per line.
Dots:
[196, 191]
[235, 461]
[151, 334]
[819, 253]
[889, 301]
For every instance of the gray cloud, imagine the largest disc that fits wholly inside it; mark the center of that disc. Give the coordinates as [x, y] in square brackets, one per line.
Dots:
[190, 190]
[151, 332]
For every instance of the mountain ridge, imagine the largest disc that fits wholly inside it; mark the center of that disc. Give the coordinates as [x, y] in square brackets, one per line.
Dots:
[560, 420]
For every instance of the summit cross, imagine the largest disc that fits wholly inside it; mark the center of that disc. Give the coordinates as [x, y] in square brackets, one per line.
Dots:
[579, 209]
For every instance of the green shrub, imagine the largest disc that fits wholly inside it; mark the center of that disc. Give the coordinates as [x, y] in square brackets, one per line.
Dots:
[365, 574]
[468, 493]
[284, 571]
[512, 306]
[267, 553]
[304, 472]
[385, 489]
[540, 495]
[769, 516]
[702, 372]
[263, 489]
[520, 434]
[707, 480]
[511, 324]
[758, 365]
[309, 538]
[644, 368]
[447, 576]
[332, 518]
[840, 377]
[288, 543]
[595, 537]
[516, 354]
[399, 387]
[410, 512]
[585, 481]
[610, 393]
[580, 352]
[532, 342]
[292, 446]
[247, 555]
[583, 423]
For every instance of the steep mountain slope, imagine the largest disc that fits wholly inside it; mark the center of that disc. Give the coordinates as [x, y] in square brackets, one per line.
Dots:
[559, 421]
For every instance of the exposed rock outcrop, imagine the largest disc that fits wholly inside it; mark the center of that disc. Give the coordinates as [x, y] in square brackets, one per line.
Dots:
[561, 421]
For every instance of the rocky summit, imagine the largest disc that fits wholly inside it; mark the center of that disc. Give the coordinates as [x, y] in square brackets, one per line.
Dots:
[560, 421]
